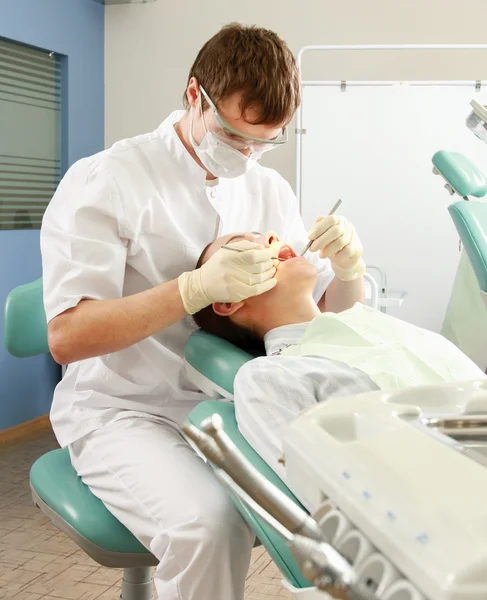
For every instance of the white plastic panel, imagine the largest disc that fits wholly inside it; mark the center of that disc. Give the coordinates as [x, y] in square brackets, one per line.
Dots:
[417, 497]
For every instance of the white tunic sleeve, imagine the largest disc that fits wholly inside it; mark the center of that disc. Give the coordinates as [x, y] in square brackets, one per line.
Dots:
[297, 235]
[271, 391]
[83, 252]
[269, 395]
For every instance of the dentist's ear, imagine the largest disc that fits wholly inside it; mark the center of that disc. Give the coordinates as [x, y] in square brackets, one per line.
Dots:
[193, 92]
[226, 309]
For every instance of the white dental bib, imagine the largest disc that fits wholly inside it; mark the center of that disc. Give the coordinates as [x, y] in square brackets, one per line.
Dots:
[395, 354]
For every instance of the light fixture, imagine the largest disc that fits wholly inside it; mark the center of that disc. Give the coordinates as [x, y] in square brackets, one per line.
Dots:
[477, 120]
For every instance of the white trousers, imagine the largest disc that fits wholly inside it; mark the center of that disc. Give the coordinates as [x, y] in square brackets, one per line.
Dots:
[154, 483]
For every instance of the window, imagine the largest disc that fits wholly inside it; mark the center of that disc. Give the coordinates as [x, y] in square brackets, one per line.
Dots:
[30, 133]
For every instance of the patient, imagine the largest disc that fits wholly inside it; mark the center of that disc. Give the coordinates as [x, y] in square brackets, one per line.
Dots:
[312, 356]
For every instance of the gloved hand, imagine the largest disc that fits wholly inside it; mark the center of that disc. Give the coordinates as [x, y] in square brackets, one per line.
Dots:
[228, 277]
[337, 240]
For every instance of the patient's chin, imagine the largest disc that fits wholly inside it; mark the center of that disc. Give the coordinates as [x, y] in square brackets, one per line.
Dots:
[297, 269]
[291, 279]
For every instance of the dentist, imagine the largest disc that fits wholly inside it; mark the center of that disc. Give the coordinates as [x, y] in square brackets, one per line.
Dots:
[120, 240]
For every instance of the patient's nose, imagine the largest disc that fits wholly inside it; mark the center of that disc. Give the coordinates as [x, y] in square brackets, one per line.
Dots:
[270, 237]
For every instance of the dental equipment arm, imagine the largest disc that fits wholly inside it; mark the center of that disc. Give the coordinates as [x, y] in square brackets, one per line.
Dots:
[321, 564]
[477, 120]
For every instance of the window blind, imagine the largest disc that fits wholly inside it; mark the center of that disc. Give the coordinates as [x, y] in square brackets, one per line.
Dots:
[30, 133]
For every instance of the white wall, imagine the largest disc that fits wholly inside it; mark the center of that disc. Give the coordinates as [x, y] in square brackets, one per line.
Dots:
[149, 48]
[382, 169]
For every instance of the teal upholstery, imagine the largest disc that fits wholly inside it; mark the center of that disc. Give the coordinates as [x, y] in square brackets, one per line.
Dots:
[25, 332]
[273, 543]
[52, 476]
[461, 174]
[57, 484]
[470, 219]
[216, 359]
[219, 362]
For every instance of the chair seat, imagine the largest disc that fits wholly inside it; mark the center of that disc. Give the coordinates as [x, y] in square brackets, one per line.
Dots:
[273, 542]
[56, 483]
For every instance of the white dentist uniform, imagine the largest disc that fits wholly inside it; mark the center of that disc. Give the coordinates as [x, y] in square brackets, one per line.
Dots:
[121, 222]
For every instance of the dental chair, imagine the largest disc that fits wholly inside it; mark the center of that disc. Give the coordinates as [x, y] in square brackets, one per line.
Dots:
[465, 321]
[61, 495]
[212, 365]
[469, 217]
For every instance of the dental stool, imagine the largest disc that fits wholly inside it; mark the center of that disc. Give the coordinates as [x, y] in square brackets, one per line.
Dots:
[56, 488]
[62, 496]
[212, 365]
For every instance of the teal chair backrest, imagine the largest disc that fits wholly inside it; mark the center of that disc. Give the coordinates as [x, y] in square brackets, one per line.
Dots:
[470, 219]
[25, 326]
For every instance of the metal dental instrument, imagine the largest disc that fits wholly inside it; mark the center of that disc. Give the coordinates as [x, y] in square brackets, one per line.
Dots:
[242, 250]
[220, 449]
[332, 211]
[320, 563]
[466, 426]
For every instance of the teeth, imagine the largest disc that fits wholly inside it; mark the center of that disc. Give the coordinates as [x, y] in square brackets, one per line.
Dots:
[286, 252]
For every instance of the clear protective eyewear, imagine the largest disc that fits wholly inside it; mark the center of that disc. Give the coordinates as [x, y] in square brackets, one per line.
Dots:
[238, 140]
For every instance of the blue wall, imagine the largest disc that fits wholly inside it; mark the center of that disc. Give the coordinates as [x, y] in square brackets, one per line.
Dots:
[75, 29]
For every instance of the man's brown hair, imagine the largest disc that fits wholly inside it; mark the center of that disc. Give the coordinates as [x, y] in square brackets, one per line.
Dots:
[255, 62]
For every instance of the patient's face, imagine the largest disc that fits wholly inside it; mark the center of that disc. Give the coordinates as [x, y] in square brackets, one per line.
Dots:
[296, 279]
[293, 274]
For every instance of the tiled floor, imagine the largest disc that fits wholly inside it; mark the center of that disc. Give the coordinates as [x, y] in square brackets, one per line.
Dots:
[38, 561]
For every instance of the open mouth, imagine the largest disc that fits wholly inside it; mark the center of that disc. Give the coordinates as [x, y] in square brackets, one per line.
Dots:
[286, 252]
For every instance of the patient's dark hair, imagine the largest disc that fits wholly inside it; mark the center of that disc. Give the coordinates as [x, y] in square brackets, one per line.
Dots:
[224, 327]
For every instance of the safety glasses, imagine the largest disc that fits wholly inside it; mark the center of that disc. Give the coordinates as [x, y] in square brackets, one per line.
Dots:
[238, 140]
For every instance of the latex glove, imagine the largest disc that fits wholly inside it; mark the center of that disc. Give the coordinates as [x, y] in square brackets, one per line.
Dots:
[337, 239]
[229, 277]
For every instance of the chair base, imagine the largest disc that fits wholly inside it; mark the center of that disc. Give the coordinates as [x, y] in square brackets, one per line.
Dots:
[137, 584]
[105, 558]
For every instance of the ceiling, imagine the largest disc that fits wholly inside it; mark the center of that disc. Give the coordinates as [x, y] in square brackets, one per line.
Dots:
[108, 2]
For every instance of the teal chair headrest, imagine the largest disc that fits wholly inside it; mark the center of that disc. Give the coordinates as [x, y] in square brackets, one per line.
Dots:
[462, 175]
[470, 219]
[216, 359]
[25, 332]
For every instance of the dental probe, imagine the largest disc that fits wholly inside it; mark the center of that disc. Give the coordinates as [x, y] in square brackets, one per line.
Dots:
[242, 250]
[308, 245]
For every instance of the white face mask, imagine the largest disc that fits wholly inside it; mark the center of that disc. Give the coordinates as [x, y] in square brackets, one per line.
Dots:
[220, 159]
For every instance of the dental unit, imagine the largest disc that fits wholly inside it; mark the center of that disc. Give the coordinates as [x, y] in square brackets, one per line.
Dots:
[397, 486]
